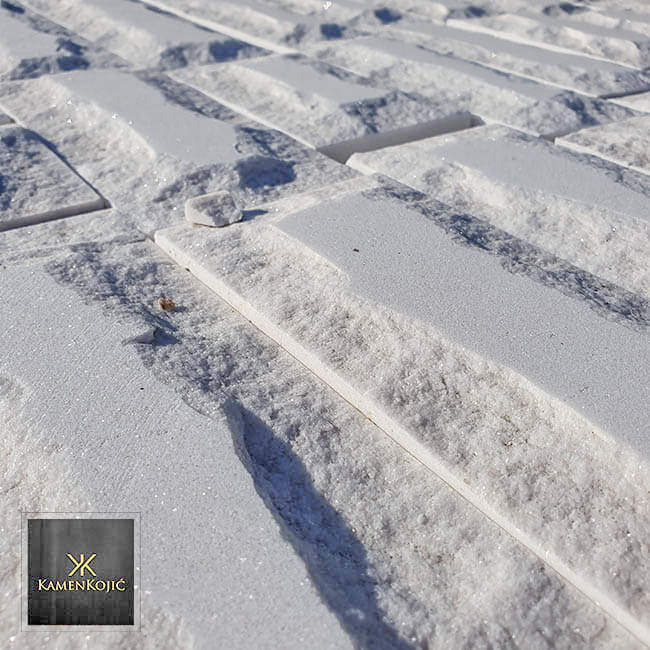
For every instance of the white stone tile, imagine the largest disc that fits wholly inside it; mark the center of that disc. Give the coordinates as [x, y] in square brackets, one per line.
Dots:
[146, 450]
[617, 45]
[575, 72]
[143, 34]
[491, 94]
[35, 185]
[430, 568]
[637, 102]
[590, 213]
[626, 143]
[376, 300]
[279, 27]
[321, 105]
[148, 143]
[31, 45]
[168, 128]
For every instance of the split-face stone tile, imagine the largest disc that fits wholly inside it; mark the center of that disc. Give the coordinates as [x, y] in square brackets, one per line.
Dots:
[146, 36]
[148, 143]
[155, 454]
[358, 530]
[501, 385]
[31, 45]
[576, 72]
[626, 143]
[491, 94]
[323, 105]
[620, 45]
[638, 102]
[36, 185]
[278, 26]
[590, 213]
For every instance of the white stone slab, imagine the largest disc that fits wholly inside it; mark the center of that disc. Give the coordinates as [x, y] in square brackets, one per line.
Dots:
[144, 35]
[212, 553]
[619, 46]
[30, 45]
[148, 143]
[572, 71]
[590, 213]
[280, 28]
[626, 143]
[35, 185]
[357, 509]
[19, 42]
[467, 295]
[638, 102]
[318, 104]
[491, 94]
[167, 128]
[328, 310]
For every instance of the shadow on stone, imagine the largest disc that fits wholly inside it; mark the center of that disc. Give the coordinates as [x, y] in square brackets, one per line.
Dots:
[336, 560]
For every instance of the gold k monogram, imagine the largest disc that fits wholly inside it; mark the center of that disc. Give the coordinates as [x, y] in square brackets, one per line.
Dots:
[82, 565]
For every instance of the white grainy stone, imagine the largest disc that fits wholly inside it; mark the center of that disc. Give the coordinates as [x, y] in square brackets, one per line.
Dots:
[38, 186]
[391, 61]
[177, 467]
[318, 105]
[573, 71]
[525, 452]
[144, 37]
[102, 124]
[626, 143]
[589, 212]
[639, 102]
[619, 46]
[217, 209]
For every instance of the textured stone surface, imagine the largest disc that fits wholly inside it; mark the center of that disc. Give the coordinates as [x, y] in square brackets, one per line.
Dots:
[590, 213]
[626, 143]
[35, 185]
[400, 402]
[104, 126]
[31, 45]
[217, 209]
[491, 94]
[318, 104]
[143, 35]
[405, 377]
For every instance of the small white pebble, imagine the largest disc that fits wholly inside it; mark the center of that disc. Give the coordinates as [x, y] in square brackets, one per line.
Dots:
[217, 209]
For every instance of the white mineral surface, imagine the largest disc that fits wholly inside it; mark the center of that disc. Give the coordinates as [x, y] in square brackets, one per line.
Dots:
[35, 184]
[401, 400]
[143, 35]
[577, 207]
[626, 143]
[491, 94]
[217, 209]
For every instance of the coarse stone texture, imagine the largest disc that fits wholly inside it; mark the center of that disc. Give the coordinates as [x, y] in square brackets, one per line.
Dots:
[391, 61]
[217, 209]
[31, 45]
[589, 212]
[626, 143]
[400, 402]
[36, 185]
[144, 36]
[402, 376]
[102, 123]
[319, 104]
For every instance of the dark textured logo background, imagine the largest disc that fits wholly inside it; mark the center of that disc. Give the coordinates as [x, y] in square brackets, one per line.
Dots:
[49, 541]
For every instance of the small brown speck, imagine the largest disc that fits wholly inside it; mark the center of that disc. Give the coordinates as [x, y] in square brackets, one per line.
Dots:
[166, 304]
[356, 250]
